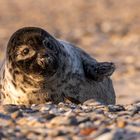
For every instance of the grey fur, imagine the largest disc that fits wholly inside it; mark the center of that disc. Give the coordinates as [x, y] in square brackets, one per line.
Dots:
[78, 78]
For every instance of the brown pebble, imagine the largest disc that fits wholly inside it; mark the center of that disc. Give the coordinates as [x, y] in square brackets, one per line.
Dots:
[121, 123]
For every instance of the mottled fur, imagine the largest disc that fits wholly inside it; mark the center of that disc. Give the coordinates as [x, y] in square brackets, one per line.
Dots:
[53, 70]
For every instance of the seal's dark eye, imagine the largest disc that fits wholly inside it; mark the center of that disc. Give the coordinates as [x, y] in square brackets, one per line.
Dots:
[25, 51]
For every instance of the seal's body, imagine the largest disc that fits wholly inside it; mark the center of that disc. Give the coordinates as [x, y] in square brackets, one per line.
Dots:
[39, 68]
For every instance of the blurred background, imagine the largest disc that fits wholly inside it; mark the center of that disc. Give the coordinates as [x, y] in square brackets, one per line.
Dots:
[109, 30]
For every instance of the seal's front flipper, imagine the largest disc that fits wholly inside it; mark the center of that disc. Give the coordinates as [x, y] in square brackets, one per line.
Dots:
[97, 71]
[104, 68]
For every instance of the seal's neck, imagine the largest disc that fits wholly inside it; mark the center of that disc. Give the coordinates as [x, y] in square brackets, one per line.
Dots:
[18, 88]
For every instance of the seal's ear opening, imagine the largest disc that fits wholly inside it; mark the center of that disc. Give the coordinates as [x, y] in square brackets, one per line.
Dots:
[47, 43]
[52, 44]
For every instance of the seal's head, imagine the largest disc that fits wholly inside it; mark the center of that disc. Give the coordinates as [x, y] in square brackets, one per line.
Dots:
[33, 51]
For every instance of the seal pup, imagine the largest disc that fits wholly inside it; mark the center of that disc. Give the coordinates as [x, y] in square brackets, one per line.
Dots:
[40, 68]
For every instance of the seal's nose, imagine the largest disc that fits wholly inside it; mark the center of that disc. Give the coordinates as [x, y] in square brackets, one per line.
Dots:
[42, 60]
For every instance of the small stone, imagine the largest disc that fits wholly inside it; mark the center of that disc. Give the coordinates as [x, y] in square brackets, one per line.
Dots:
[55, 111]
[17, 114]
[47, 107]
[106, 136]
[30, 110]
[99, 111]
[87, 124]
[135, 110]
[55, 133]
[48, 116]
[121, 123]
[5, 117]
[91, 102]
[82, 119]
[62, 120]
[62, 138]
[11, 108]
[87, 131]
[101, 132]
[2, 135]
[115, 108]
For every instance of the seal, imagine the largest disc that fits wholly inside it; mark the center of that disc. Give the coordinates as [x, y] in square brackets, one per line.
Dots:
[40, 68]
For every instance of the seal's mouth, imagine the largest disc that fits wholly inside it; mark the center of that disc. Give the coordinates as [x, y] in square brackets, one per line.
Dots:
[43, 63]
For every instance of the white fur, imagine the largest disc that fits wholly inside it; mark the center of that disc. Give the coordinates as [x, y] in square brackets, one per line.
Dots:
[9, 87]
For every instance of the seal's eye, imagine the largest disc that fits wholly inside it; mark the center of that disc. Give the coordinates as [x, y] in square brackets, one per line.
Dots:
[25, 51]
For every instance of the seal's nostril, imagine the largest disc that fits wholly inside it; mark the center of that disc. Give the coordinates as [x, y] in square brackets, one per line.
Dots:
[42, 62]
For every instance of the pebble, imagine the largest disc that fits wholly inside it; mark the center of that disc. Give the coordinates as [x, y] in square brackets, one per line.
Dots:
[11, 108]
[5, 117]
[62, 120]
[136, 109]
[17, 114]
[91, 102]
[121, 123]
[68, 121]
[115, 108]
[48, 116]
